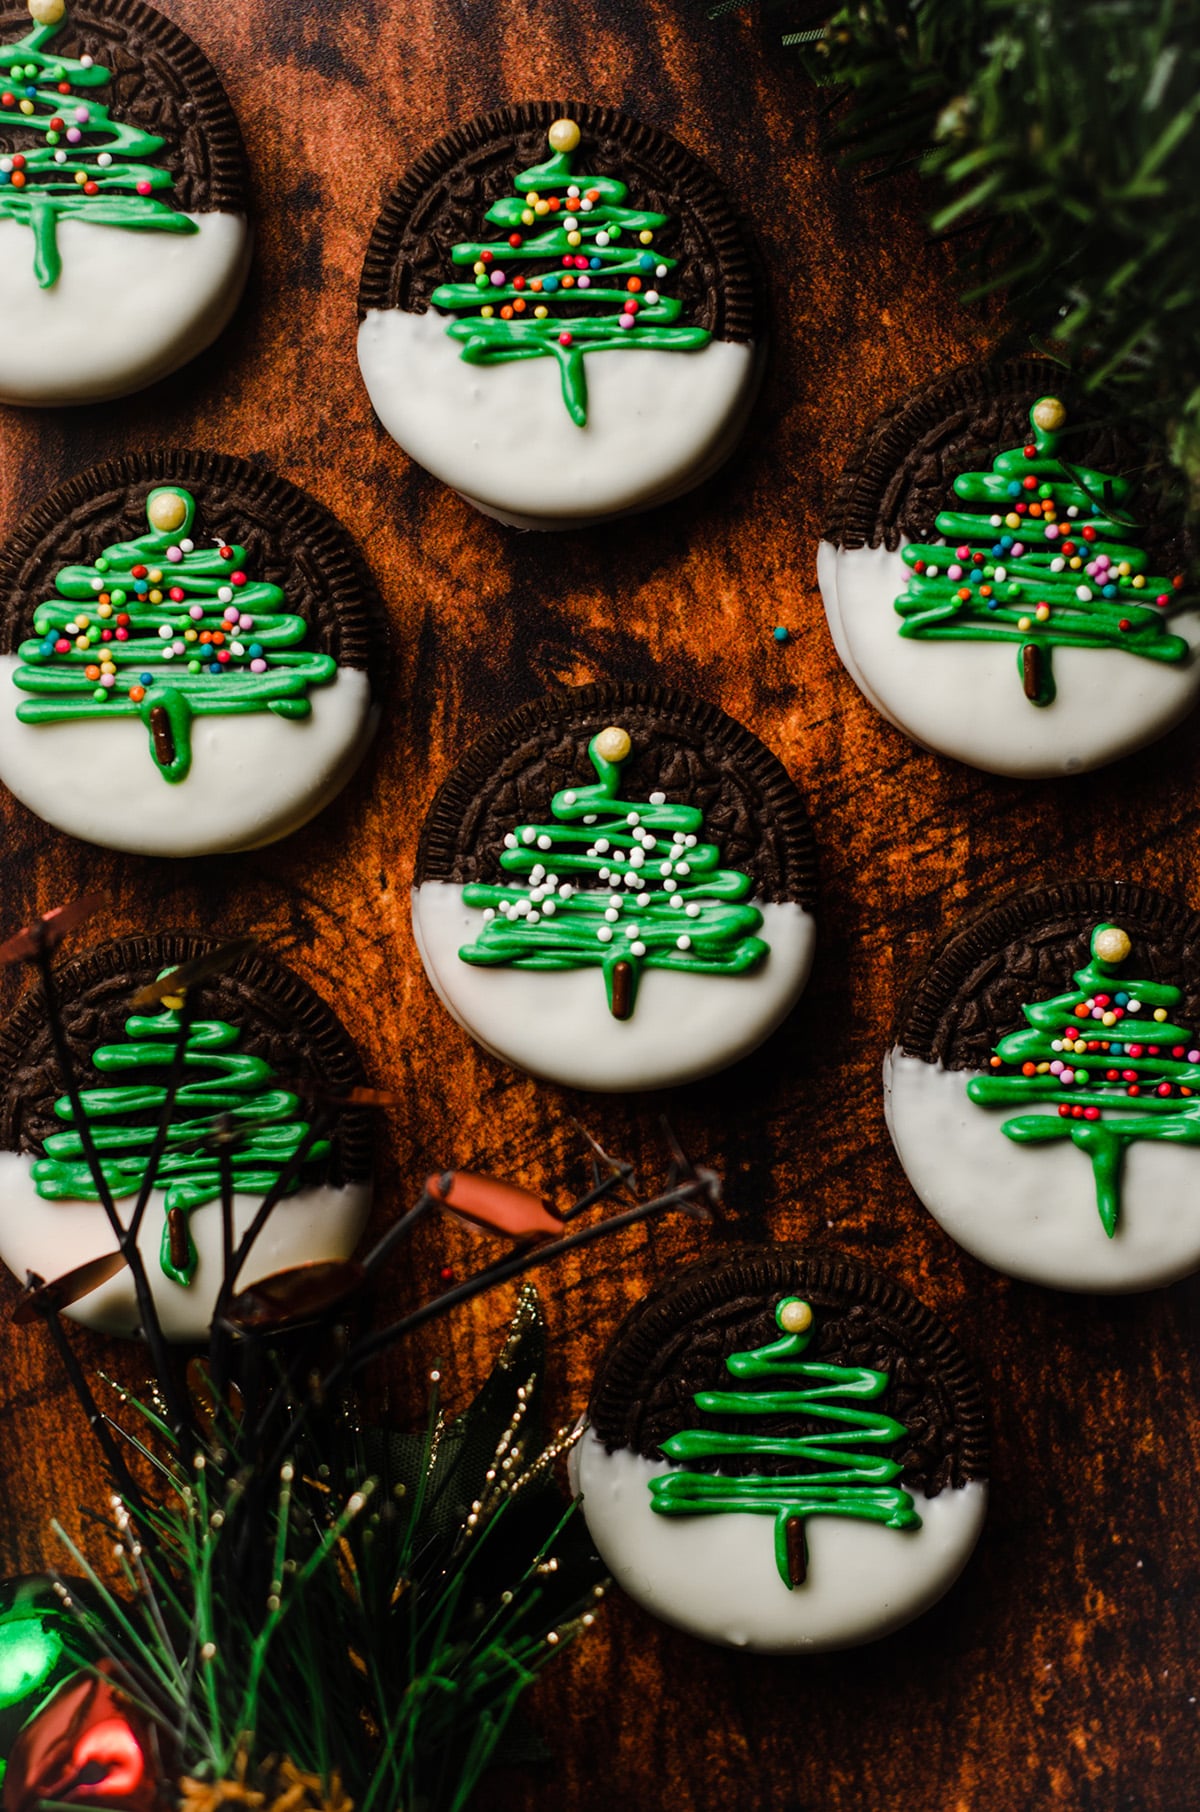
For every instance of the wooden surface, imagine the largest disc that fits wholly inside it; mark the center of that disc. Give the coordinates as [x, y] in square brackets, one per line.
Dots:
[1062, 1670]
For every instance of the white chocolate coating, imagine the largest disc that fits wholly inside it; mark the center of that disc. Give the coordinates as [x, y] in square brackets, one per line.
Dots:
[715, 1576]
[1030, 1210]
[128, 307]
[556, 1023]
[53, 1237]
[965, 699]
[658, 422]
[254, 778]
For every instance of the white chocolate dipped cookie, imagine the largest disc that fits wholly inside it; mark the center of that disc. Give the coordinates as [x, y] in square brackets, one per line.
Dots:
[260, 1047]
[1043, 1089]
[614, 889]
[998, 589]
[558, 316]
[124, 240]
[189, 656]
[785, 1452]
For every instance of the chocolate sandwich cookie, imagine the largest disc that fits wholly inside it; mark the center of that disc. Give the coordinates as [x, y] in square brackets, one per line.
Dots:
[124, 242]
[558, 315]
[258, 1033]
[189, 650]
[614, 889]
[786, 1451]
[1043, 1089]
[1002, 581]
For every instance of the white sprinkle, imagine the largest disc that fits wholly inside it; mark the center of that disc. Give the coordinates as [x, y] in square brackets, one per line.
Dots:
[1001, 573]
[549, 909]
[60, 157]
[104, 159]
[601, 237]
[604, 873]
[545, 842]
[533, 918]
[693, 909]
[566, 891]
[1083, 592]
[97, 584]
[188, 546]
[522, 908]
[238, 648]
[660, 270]
[168, 654]
[611, 914]
[537, 871]
[651, 297]
[657, 798]
[568, 798]
[633, 818]
[589, 817]
[605, 934]
[683, 943]
[573, 190]
[636, 858]
[664, 868]
[1133, 1006]
[510, 842]
[638, 949]
[683, 868]
[585, 206]
[489, 912]
[165, 631]
[994, 521]
[632, 878]
[528, 835]
[690, 841]
[632, 931]
[1072, 509]
[602, 846]
[643, 899]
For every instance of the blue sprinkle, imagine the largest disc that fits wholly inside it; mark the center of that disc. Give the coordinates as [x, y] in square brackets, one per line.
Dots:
[1117, 1050]
[1014, 488]
[31, 93]
[781, 633]
[1006, 542]
[992, 604]
[146, 679]
[1122, 999]
[645, 262]
[1109, 591]
[256, 651]
[550, 284]
[595, 263]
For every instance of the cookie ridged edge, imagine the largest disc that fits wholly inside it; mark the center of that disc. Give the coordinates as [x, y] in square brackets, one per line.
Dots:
[320, 1034]
[379, 283]
[636, 1349]
[861, 513]
[347, 582]
[941, 983]
[226, 189]
[437, 850]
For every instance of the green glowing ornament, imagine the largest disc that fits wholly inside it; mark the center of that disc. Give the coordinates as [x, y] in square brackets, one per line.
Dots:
[39, 1648]
[1043, 553]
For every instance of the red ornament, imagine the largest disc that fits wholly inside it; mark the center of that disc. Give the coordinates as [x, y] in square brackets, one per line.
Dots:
[226, 553]
[1030, 452]
[514, 239]
[88, 1746]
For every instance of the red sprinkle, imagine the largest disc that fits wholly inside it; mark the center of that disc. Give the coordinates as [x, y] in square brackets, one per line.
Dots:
[1030, 483]
[514, 239]
[237, 578]
[1089, 533]
[139, 572]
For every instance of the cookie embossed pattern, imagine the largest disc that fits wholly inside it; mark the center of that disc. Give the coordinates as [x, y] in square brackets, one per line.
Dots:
[124, 238]
[558, 316]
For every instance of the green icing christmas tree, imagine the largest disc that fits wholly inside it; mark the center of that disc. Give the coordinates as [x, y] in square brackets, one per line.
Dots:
[1107, 1054]
[618, 885]
[170, 632]
[79, 164]
[123, 1117]
[831, 1477]
[570, 272]
[1043, 555]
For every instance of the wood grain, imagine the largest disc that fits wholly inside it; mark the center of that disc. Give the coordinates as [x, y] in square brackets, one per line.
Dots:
[1062, 1671]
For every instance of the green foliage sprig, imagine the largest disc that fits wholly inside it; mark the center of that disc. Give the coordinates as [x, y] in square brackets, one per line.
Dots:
[1068, 131]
